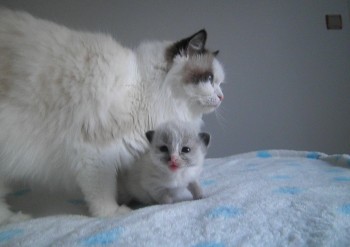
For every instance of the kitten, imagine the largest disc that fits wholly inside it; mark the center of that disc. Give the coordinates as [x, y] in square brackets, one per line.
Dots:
[173, 163]
[74, 106]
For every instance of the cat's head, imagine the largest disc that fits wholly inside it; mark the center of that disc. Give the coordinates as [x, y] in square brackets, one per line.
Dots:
[177, 145]
[195, 73]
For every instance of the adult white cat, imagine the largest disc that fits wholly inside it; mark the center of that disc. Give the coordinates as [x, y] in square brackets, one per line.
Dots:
[74, 106]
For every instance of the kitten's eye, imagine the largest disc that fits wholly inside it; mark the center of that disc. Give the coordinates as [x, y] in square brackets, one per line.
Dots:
[185, 150]
[163, 149]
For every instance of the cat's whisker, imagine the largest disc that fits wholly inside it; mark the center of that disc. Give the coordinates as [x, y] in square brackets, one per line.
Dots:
[220, 117]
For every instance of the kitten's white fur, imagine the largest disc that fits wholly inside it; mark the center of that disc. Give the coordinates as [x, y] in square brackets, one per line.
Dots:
[151, 180]
[74, 106]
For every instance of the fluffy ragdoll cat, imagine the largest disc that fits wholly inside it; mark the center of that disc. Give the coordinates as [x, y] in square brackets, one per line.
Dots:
[172, 164]
[74, 106]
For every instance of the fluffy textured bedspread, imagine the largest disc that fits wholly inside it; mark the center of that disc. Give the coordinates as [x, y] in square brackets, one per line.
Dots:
[265, 198]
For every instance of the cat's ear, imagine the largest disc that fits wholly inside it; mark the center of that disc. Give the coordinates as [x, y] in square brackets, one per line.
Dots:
[149, 135]
[205, 138]
[196, 42]
[188, 46]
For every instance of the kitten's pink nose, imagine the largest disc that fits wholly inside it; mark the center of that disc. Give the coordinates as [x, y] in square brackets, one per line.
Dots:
[173, 163]
[221, 97]
[173, 160]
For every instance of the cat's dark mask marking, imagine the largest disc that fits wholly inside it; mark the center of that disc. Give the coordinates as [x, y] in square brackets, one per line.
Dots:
[199, 69]
[188, 46]
[197, 76]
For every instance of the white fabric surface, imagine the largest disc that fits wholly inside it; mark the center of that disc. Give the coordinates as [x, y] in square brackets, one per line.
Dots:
[265, 198]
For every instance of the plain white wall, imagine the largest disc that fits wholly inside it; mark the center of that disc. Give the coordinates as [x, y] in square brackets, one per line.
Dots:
[288, 77]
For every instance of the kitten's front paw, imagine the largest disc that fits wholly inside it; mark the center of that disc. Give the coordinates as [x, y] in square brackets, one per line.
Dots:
[198, 197]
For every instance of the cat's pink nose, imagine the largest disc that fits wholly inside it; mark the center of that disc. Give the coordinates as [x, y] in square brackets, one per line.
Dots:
[221, 97]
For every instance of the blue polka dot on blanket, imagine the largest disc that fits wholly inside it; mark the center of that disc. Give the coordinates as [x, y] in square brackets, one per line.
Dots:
[103, 238]
[208, 182]
[209, 244]
[8, 235]
[263, 154]
[342, 179]
[289, 190]
[345, 209]
[224, 212]
[313, 155]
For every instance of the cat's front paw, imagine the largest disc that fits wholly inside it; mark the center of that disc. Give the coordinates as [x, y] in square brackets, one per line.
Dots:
[122, 210]
[18, 217]
[166, 199]
[108, 210]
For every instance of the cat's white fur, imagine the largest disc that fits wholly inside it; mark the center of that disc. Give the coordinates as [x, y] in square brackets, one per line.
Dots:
[74, 106]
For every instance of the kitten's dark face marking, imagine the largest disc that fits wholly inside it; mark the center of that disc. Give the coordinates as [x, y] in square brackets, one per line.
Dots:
[205, 137]
[174, 147]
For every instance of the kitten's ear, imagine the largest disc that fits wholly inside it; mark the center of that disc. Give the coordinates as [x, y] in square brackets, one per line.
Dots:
[197, 42]
[149, 135]
[205, 138]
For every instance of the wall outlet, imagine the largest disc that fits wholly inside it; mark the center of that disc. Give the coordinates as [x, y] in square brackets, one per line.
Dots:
[334, 22]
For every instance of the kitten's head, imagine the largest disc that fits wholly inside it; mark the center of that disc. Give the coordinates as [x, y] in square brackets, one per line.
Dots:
[195, 73]
[177, 145]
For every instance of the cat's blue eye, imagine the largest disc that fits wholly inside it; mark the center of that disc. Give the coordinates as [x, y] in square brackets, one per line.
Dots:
[164, 149]
[185, 150]
[210, 78]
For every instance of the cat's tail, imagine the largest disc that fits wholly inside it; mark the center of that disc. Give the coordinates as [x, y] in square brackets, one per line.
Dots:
[6, 216]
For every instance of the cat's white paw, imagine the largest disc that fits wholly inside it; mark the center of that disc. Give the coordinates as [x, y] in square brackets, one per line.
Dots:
[14, 218]
[123, 210]
[109, 210]
[18, 217]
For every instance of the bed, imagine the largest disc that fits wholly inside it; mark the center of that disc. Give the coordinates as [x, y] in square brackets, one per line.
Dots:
[263, 198]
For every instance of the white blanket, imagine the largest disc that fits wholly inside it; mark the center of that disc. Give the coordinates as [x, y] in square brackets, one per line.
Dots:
[265, 198]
